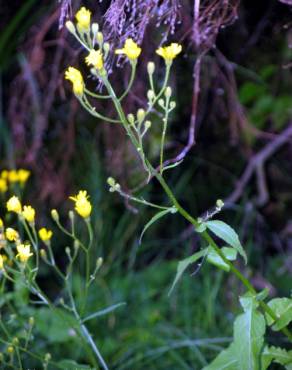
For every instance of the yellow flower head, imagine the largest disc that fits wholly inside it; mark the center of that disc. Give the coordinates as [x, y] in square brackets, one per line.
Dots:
[1, 223]
[83, 17]
[45, 234]
[13, 204]
[130, 49]
[11, 234]
[82, 205]
[23, 252]
[4, 174]
[13, 176]
[73, 75]
[23, 175]
[168, 53]
[1, 262]
[95, 59]
[28, 213]
[3, 185]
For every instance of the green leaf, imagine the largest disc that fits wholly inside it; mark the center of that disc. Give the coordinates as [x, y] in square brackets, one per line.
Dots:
[249, 330]
[214, 258]
[275, 354]
[155, 218]
[283, 309]
[104, 311]
[226, 360]
[226, 233]
[72, 365]
[182, 265]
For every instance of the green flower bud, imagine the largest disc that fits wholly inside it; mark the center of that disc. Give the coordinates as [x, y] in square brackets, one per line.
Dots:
[99, 262]
[147, 124]
[111, 181]
[94, 28]
[70, 27]
[172, 104]
[131, 118]
[168, 92]
[99, 37]
[150, 95]
[140, 114]
[150, 68]
[55, 215]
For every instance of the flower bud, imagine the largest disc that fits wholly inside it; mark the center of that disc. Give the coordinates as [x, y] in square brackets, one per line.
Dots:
[31, 321]
[140, 114]
[70, 27]
[99, 37]
[94, 28]
[219, 204]
[106, 47]
[99, 262]
[47, 357]
[168, 92]
[55, 215]
[172, 104]
[15, 341]
[71, 215]
[131, 118]
[10, 349]
[111, 181]
[161, 102]
[147, 124]
[68, 252]
[150, 95]
[150, 68]
[43, 254]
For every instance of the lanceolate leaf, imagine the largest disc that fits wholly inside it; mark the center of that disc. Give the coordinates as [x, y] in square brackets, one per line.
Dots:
[214, 258]
[278, 355]
[226, 233]
[283, 309]
[182, 265]
[154, 219]
[249, 330]
[226, 360]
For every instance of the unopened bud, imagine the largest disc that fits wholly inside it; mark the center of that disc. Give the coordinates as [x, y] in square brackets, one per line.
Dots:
[161, 102]
[55, 215]
[150, 68]
[131, 118]
[111, 181]
[15, 341]
[219, 203]
[168, 92]
[147, 124]
[71, 215]
[94, 28]
[140, 114]
[99, 262]
[99, 37]
[68, 252]
[31, 321]
[150, 95]
[172, 104]
[43, 253]
[10, 349]
[48, 357]
[70, 27]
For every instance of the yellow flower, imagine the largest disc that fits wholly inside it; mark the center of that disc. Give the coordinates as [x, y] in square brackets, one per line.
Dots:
[45, 234]
[28, 213]
[130, 49]
[23, 252]
[13, 204]
[11, 234]
[3, 185]
[168, 53]
[72, 74]
[83, 17]
[1, 223]
[95, 59]
[82, 204]
[23, 175]
[13, 176]
[4, 174]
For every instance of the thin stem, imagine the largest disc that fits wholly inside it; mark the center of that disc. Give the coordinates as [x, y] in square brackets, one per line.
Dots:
[132, 77]
[98, 96]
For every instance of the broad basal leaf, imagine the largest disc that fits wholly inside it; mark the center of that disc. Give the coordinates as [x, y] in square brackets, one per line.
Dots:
[282, 307]
[226, 233]
[182, 265]
[226, 360]
[249, 330]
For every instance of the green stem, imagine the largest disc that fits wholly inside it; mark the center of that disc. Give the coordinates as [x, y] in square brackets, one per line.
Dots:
[132, 77]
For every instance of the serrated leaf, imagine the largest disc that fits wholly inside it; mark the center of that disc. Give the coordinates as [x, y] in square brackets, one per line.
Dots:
[249, 330]
[283, 309]
[214, 258]
[226, 360]
[275, 354]
[226, 233]
[182, 265]
[154, 219]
